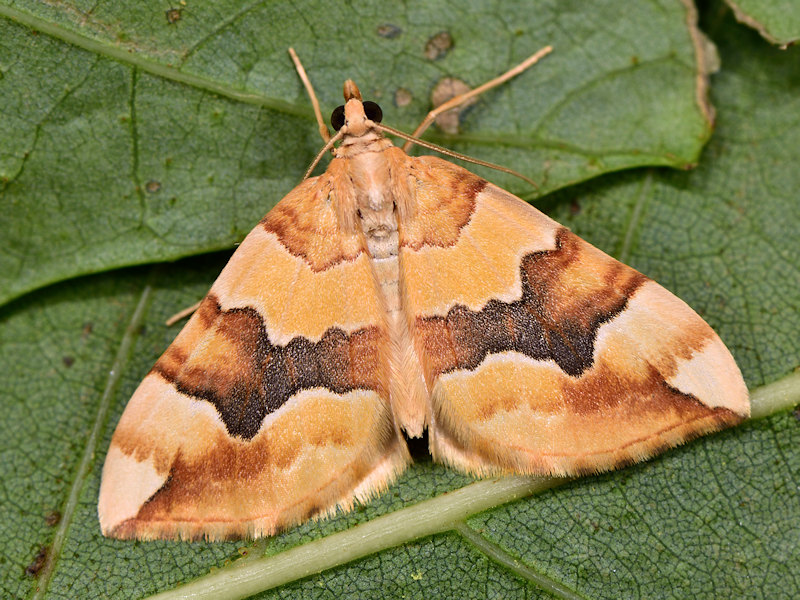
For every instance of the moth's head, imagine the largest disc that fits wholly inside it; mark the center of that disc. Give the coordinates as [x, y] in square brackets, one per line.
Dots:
[355, 115]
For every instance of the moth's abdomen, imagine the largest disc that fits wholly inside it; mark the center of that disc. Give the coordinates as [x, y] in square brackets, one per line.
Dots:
[409, 396]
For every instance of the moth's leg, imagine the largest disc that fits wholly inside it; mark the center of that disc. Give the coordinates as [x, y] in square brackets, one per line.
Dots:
[459, 100]
[182, 314]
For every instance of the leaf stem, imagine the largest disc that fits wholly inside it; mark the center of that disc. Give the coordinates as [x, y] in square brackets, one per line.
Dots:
[776, 396]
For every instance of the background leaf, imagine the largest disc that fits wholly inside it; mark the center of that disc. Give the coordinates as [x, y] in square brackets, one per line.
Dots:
[777, 21]
[713, 519]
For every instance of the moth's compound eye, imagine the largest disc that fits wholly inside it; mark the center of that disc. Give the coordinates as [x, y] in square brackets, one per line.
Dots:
[373, 111]
[337, 117]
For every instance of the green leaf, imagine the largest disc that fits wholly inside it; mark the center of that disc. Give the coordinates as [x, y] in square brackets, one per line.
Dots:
[778, 21]
[716, 518]
[127, 139]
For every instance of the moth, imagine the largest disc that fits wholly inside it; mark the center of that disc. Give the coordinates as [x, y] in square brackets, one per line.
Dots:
[390, 295]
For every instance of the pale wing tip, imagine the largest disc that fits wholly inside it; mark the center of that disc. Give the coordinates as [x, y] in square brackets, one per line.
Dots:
[708, 372]
[712, 376]
[126, 486]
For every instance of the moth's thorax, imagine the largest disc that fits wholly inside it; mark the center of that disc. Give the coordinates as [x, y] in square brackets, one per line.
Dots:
[374, 201]
[371, 140]
[367, 190]
[374, 204]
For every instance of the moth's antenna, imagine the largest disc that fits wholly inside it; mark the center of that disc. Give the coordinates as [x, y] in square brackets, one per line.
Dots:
[329, 146]
[459, 100]
[323, 129]
[413, 138]
[445, 151]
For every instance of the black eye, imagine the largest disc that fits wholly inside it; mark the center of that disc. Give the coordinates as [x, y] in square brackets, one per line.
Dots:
[337, 118]
[373, 111]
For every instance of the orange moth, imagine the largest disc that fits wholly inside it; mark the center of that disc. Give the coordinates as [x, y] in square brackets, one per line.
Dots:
[390, 295]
